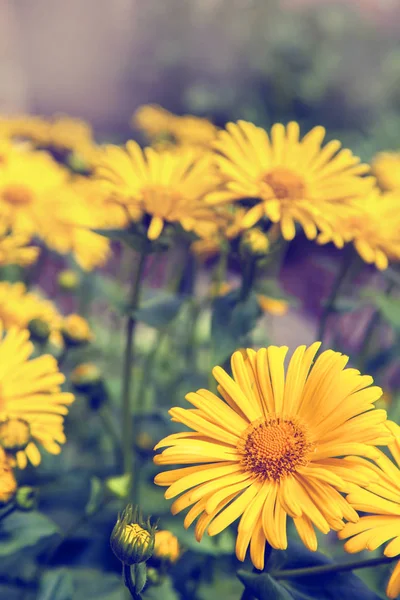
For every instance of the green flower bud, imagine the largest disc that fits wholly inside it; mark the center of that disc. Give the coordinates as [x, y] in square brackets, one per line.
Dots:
[132, 539]
[26, 498]
[254, 242]
[39, 330]
[68, 280]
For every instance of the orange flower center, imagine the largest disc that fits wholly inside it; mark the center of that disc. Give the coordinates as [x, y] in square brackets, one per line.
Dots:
[274, 448]
[161, 201]
[285, 184]
[17, 194]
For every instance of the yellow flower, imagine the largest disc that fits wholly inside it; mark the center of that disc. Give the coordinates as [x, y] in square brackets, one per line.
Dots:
[272, 306]
[15, 435]
[230, 227]
[372, 224]
[274, 446]
[188, 130]
[166, 546]
[75, 210]
[382, 499]
[292, 179]
[30, 391]
[8, 484]
[14, 250]
[386, 168]
[19, 307]
[27, 178]
[255, 242]
[76, 330]
[168, 187]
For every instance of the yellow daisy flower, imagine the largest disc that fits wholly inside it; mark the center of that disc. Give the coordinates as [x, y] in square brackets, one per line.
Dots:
[231, 226]
[386, 168]
[187, 130]
[274, 446]
[26, 179]
[292, 179]
[18, 308]
[166, 546]
[382, 499]
[372, 224]
[166, 186]
[14, 249]
[30, 391]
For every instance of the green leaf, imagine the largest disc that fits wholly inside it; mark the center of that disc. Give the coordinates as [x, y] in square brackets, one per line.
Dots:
[23, 535]
[232, 321]
[92, 583]
[56, 585]
[388, 306]
[165, 591]
[136, 237]
[160, 310]
[263, 587]
[273, 289]
[96, 495]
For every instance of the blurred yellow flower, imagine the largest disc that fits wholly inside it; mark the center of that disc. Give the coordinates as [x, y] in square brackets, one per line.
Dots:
[167, 187]
[76, 330]
[275, 445]
[8, 484]
[230, 227]
[15, 249]
[255, 242]
[372, 224]
[166, 546]
[272, 306]
[30, 391]
[186, 130]
[292, 180]
[382, 500]
[18, 308]
[27, 179]
[386, 168]
[15, 435]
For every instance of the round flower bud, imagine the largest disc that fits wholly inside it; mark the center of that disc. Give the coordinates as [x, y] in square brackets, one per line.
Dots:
[26, 498]
[254, 242]
[68, 280]
[85, 376]
[132, 540]
[15, 435]
[76, 331]
[8, 483]
[39, 330]
[166, 546]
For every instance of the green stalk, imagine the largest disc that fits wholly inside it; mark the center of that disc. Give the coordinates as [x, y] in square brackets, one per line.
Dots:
[127, 424]
[329, 569]
[342, 273]
[249, 273]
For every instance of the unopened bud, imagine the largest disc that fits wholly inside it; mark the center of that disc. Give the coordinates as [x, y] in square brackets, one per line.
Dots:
[166, 546]
[254, 242]
[39, 330]
[15, 435]
[68, 280]
[26, 498]
[132, 539]
[76, 331]
[85, 376]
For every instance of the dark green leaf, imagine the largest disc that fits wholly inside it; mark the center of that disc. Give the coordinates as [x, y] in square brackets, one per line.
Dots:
[96, 495]
[91, 583]
[165, 591]
[56, 585]
[232, 321]
[263, 587]
[160, 310]
[23, 535]
[137, 238]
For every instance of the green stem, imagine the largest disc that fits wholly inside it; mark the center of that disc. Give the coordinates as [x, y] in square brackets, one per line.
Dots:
[330, 569]
[127, 423]
[330, 302]
[370, 331]
[219, 273]
[111, 429]
[249, 273]
[127, 575]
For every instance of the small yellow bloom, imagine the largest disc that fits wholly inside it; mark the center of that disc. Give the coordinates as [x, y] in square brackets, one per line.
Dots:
[15, 249]
[275, 445]
[68, 280]
[76, 330]
[255, 242]
[382, 501]
[386, 168]
[15, 435]
[31, 392]
[167, 187]
[8, 484]
[220, 289]
[132, 540]
[166, 546]
[291, 179]
[85, 373]
[230, 227]
[272, 306]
